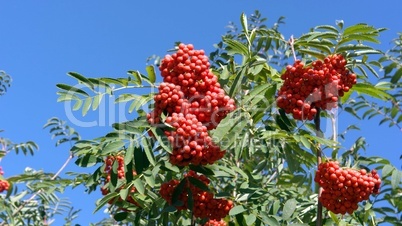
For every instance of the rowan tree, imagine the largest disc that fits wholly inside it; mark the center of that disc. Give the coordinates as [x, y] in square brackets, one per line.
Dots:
[233, 137]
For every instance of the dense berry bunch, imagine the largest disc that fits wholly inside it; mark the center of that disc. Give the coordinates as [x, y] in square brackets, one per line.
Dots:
[318, 86]
[4, 185]
[109, 161]
[343, 189]
[190, 141]
[205, 205]
[215, 223]
[194, 102]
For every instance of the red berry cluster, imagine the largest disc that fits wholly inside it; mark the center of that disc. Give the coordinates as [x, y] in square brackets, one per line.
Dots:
[4, 185]
[306, 89]
[215, 223]
[191, 141]
[194, 102]
[109, 161]
[205, 205]
[343, 189]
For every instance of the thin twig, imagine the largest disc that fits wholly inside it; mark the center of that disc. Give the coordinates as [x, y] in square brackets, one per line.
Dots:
[318, 132]
[291, 43]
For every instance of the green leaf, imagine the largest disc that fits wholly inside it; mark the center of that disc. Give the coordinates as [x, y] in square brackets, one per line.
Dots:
[305, 142]
[120, 216]
[327, 27]
[317, 35]
[77, 104]
[148, 151]
[225, 126]
[236, 47]
[139, 186]
[127, 97]
[243, 20]
[236, 83]
[399, 119]
[396, 179]
[87, 161]
[137, 76]
[190, 201]
[313, 53]
[269, 220]
[96, 102]
[398, 74]
[202, 169]
[66, 96]
[161, 137]
[129, 168]
[197, 183]
[141, 161]
[371, 91]
[112, 147]
[256, 91]
[178, 190]
[334, 217]
[359, 28]
[151, 73]
[149, 178]
[124, 193]
[289, 208]
[356, 37]
[82, 79]
[71, 89]
[87, 105]
[237, 210]
[364, 52]
[276, 206]
[250, 219]
[119, 81]
[352, 47]
[324, 48]
[105, 200]
[113, 174]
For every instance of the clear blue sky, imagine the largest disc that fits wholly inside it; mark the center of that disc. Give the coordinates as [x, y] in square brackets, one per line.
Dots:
[40, 41]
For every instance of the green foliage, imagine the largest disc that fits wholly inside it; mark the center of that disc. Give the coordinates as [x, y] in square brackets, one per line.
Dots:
[5, 82]
[33, 196]
[59, 129]
[389, 88]
[101, 87]
[28, 147]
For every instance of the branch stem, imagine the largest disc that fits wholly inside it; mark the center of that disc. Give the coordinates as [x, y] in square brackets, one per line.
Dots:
[292, 43]
[318, 132]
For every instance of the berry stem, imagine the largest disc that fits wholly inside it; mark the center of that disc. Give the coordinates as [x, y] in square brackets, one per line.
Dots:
[318, 132]
[291, 43]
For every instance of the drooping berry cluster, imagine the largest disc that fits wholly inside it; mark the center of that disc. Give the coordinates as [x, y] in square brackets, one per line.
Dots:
[193, 102]
[215, 223]
[109, 161]
[4, 185]
[191, 141]
[317, 86]
[343, 189]
[204, 204]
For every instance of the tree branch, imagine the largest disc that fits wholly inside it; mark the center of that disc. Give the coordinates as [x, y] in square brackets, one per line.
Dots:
[318, 132]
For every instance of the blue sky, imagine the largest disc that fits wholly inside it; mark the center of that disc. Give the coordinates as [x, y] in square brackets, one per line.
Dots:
[40, 41]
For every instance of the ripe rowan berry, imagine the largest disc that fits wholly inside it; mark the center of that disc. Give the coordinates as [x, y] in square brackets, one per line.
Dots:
[343, 189]
[317, 86]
